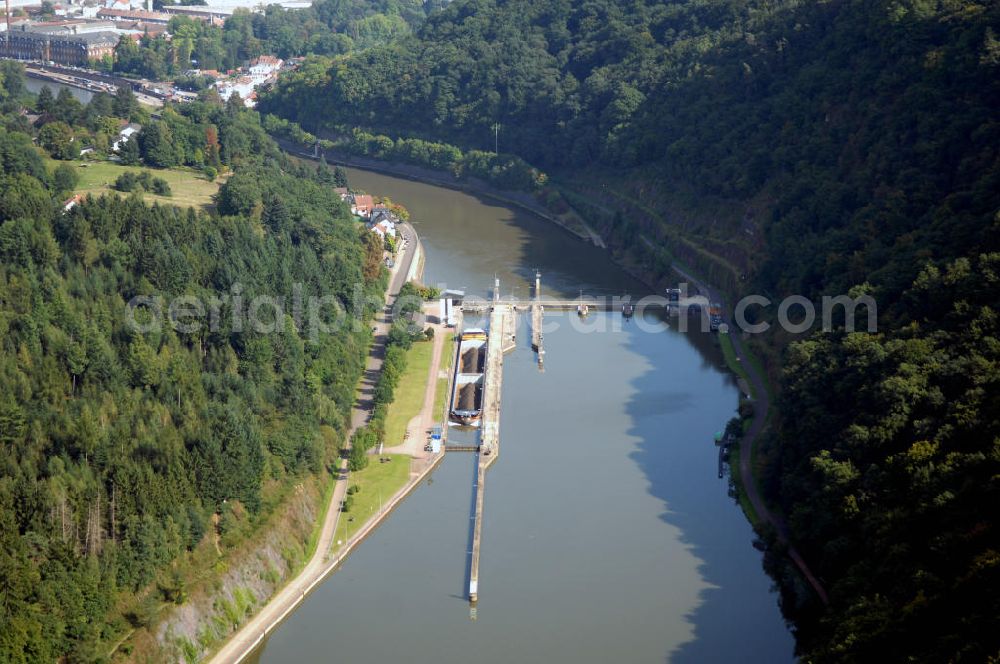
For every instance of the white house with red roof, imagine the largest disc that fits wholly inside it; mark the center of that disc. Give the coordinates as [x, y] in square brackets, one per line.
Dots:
[72, 202]
[385, 227]
[363, 205]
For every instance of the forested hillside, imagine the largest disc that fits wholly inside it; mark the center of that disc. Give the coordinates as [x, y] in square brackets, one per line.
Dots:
[865, 137]
[325, 27]
[852, 116]
[123, 448]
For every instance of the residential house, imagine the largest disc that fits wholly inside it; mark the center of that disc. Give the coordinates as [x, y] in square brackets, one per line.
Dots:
[382, 217]
[385, 227]
[72, 202]
[381, 212]
[126, 132]
[264, 67]
[363, 205]
[241, 85]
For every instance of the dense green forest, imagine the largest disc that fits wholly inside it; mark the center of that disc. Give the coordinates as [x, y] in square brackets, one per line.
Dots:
[327, 27]
[865, 137]
[123, 447]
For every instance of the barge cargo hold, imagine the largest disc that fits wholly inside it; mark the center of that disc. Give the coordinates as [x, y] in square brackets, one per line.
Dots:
[467, 388]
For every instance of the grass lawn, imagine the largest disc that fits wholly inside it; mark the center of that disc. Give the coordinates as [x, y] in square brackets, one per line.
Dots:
[409, 396]
[737, 367]
[378, 483]
[447, 360]
[734, 364]
[324, 510]
[744, 500]
[189, 187]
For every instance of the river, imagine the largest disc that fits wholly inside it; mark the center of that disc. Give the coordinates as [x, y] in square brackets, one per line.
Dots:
[35, 85]
[608, 535]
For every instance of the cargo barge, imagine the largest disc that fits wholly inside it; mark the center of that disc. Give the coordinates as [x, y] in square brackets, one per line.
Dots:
[467, 387]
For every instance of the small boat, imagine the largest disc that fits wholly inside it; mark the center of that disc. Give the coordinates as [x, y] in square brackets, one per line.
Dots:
[628, 309]
[582, 310]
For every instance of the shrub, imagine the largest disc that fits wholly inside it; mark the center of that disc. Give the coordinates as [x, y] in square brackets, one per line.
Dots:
[127, 182]
[358, 459]
[161, 187]
[143, 181]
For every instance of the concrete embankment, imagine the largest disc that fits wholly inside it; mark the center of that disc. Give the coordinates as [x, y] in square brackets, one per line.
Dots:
[322, 562]
[416, 271]
[335, 559]
[501, 330]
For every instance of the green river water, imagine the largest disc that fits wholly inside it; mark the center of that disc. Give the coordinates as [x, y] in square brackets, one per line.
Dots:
[608, 536]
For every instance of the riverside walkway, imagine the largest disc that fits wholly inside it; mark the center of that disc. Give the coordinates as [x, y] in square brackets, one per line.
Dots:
[323, 560]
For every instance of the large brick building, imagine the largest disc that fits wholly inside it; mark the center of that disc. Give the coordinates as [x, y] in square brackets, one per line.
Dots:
[63, 47]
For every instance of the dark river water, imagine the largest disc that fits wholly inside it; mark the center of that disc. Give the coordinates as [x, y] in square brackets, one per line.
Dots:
[608, 536]
[35, 85]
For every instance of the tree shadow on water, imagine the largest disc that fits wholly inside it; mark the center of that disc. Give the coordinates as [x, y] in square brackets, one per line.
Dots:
[678, 404]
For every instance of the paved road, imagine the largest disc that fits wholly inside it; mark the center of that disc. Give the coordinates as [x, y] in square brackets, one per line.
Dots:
[762, 406]
[242, 642]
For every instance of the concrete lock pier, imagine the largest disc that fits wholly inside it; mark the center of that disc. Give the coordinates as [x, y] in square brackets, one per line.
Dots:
[537, 317]
[501, 340]
[501, 334]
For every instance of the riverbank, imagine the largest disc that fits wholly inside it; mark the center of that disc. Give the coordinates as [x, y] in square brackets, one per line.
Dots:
[523, 200]
[323, 561]
[438, 178]
[762, 407]
[248, 639]
[756, 384]
[639, 403]
[87, 82]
